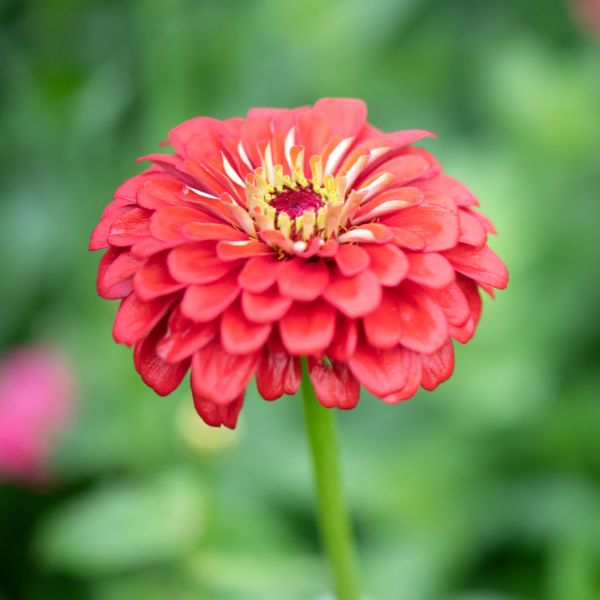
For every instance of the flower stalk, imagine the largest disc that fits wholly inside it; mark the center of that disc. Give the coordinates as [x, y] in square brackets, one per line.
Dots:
[333, 518]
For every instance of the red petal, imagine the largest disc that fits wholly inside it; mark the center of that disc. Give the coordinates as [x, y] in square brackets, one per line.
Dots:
[406, 168]
[397, 168]
[220, 210]
[344, 341]
[199, 133]
[275, 239]
[130, 227]
[430, 269]
[213, 231]
[266, 112]
[382, 326]
[404, 164]
[160, 192]
[154, 280]
[389, 264]
[246, 249]
[346, 116]
[472, 231]
[162, 377]
[388, 202]
[259, 273]
[462, 333]
[481, 264]
[308, 328]
[329, 249]
[313, 132]
[434, 166]
[170, 165]
[302, 280]
[162, 162]
[278, 374]
[146, 247]
[374, 233]
[239, 335]
[472, 295]
[454, 303]
[184, 337]
[488, 290]
[135, 318]
[115, 272]
[450, 187]
[407, 239]
[198, 263]
[206, 302]
[485, 222]
[399, 139]
[423, 324]
[266, 307]
[352, 259]
[334, 384]
[312, 249]
[208, 170]
[354, 296]
[215, 414]
[395, 140]
[99, 237]
[413, 380]
[116, 205]
[128, 190]
[254, 131]
[435, 220]
[167, 224]
[381, 372]
[437, 367]
[219, 376]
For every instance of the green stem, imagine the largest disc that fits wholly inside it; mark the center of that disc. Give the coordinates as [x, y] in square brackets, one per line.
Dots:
[333, 516]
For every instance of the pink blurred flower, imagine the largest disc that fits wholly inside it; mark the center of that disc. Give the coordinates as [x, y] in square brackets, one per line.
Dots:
[36, 405]
[586, 14]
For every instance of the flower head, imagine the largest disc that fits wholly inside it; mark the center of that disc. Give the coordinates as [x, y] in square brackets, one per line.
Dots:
[290, 233]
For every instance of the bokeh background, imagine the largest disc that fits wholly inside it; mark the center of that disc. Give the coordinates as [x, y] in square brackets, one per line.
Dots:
[487, 488]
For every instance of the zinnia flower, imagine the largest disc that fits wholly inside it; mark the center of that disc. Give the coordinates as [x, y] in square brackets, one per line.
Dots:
[36, 405]
[291, 233]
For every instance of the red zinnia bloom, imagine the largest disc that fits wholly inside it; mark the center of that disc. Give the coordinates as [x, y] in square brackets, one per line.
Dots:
[289, 233]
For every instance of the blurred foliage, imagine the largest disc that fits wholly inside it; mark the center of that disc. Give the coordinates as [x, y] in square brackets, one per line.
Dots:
[156, 521]
[486, 489]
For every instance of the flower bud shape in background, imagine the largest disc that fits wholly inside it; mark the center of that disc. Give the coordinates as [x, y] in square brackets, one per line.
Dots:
[36, 406]
[586, 13]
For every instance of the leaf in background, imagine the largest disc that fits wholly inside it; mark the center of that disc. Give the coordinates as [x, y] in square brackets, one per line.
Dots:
[125, 526]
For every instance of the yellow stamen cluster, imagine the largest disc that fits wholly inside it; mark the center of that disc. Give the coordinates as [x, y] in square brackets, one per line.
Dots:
[268, 182]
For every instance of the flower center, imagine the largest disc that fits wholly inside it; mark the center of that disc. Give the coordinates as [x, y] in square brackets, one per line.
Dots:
[296, 202]
[293, 202]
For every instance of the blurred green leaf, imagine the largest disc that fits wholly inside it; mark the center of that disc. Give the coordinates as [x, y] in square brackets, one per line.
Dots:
[125, 525]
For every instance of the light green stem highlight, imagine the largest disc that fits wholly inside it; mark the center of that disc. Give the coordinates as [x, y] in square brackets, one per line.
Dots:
[333, 515]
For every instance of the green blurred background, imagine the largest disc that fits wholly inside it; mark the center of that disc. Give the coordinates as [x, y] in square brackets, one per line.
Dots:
[487, 488]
